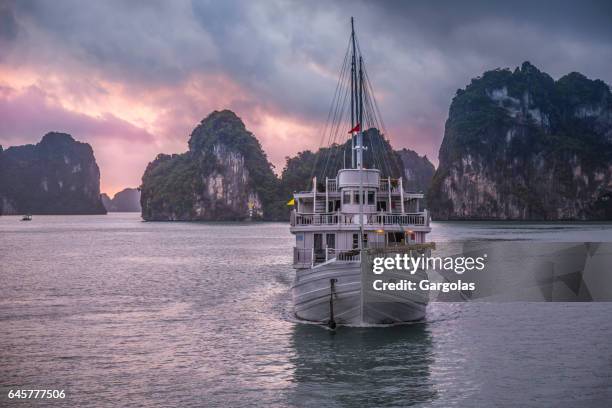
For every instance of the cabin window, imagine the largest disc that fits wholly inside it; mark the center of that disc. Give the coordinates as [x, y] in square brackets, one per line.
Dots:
[371, 199]
[330, 240]
[355, 241]
[395, 238]
[346, 197]
[318, 250]
[365, 240]
[318, 241]
[356, 197]
[381, 206]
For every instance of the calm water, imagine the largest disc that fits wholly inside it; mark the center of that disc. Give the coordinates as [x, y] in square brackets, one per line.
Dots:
[117, 311]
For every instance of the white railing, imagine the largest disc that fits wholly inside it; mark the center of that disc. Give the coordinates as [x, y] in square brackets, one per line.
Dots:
[345, 255]
[398, 219]
[385, 184]
[420, 219]
[332, 185]
[309, 257]
[302, 257]
[320, 219]
[383, 187]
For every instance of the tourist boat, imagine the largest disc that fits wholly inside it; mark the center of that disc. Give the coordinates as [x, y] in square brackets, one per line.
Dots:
[27, 217]
[349, 217]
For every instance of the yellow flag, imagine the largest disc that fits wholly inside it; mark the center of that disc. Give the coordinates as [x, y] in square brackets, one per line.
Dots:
[291, 202]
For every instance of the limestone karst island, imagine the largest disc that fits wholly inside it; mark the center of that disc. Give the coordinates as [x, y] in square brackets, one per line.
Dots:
[518, 145]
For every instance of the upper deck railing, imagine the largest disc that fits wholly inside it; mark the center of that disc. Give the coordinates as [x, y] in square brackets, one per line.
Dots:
[332, 185]
[377, 219]
[389, 184]
[399, 219]
[309, 257]
[384, 186]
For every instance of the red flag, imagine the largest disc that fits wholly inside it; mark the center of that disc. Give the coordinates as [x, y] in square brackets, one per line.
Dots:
[355, 129]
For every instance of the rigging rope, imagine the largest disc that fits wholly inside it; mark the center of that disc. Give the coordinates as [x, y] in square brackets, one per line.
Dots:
[382, 154]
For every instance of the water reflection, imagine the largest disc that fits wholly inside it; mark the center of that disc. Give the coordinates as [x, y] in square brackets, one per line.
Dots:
[362, 366]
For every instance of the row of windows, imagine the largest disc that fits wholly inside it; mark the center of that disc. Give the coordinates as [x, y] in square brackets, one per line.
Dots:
[352, 197]
[330, 239]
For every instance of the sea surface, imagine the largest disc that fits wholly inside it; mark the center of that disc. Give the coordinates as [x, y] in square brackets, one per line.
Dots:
[119, 312]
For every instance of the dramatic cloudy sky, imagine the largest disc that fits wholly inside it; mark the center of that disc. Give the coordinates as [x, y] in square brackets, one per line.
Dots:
[133, 78]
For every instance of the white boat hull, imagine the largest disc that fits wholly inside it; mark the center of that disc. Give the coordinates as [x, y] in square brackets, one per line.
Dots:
[355, 302]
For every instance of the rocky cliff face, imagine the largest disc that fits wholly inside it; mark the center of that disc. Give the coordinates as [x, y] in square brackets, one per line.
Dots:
[225, 175]
[519, 145]
[417, 170]
[56, 176]
[126, 200]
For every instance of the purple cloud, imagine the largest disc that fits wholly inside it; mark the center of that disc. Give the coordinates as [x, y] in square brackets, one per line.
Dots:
[29, 114]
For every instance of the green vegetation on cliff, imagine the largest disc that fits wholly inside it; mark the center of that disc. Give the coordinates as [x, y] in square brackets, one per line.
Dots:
[519, 145]
[325, 162]
[58, 175]
[225, 175]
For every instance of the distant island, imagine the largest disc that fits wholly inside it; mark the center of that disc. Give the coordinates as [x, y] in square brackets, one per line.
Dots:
[58, 175]
[225, 175]
[126, 200]
[518, 145]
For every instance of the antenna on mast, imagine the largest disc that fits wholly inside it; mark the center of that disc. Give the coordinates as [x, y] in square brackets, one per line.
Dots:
[359, 146]
[356, 104]
[353, 91]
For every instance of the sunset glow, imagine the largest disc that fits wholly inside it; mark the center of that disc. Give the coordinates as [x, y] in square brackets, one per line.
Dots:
[133, 88]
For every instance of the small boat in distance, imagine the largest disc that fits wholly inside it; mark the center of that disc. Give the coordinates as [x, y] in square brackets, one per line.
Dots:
[27, 217]
[353, 214]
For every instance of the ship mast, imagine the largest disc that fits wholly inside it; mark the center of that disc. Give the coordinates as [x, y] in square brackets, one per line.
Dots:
[359, 150]
[359, 144]
[353, 93]
[357, 115]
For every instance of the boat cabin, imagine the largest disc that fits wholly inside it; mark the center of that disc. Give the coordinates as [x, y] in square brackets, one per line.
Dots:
[327, 224]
